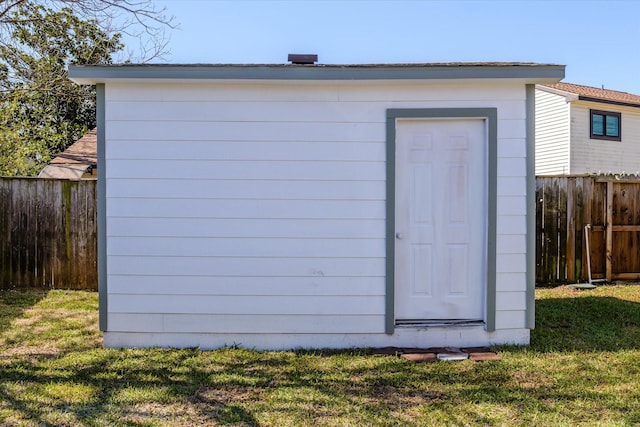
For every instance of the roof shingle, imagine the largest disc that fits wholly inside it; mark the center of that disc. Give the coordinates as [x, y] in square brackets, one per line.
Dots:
[83, 151]
[596, 93]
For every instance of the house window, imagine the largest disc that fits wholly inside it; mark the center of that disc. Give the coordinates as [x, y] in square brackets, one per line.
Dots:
[605, 125]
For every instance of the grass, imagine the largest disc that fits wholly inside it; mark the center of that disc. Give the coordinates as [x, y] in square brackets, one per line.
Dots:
[582, 368]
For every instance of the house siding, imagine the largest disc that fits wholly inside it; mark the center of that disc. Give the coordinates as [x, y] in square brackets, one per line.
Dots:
[552, 134]
[602, 156]
[254, 213]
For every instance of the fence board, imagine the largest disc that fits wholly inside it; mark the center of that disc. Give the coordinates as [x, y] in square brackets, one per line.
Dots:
[540, 266]
[550, 231]
[571, 231]
[562, 226]
[48, 233]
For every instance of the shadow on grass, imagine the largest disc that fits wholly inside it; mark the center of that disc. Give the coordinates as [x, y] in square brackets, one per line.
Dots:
[122, 387]
[84, 384]
[53, 371]
[14, 302]
[591, 323]
[235, 387]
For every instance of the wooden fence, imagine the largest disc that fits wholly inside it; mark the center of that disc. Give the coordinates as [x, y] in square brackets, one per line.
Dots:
[574, 213]
[48, 233]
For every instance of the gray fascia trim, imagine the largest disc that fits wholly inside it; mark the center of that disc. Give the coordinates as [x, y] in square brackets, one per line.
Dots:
[491, 115]
[492, 227]
[608, 101]
[530, 317]
[569, 96]
[390, 317]
[102, 208]
[92, 74]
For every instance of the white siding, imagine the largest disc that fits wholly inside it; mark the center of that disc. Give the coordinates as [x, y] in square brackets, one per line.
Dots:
[511, 230]
[259, 208]
[597, 155]
[552, 134]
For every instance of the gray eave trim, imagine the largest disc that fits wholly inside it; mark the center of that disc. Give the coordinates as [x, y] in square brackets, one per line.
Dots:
[568, 96]
[102, 207]
[491, 115]
[608, 101]
[93, 74]
[530, 319]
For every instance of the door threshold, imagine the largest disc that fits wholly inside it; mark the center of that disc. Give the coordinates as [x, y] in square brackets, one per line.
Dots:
[424, 323]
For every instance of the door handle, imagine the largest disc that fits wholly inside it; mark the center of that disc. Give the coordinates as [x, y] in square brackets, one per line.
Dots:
[399, 235]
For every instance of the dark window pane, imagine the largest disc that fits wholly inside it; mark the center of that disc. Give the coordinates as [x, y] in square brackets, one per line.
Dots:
[597, 124]
[613, 126]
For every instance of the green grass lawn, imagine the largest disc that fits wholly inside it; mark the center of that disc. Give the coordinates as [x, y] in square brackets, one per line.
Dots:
[582, 368]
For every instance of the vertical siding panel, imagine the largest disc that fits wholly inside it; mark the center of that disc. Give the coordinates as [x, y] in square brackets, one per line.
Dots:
[550, 229]
[540, 265]
[587, 191]
[52, 204]
[562, 230]
[570, 230]
[634, 205]
[619, 259]
[17, 224]
[598, 209]
[7, 215]
[552, 134]
[59, 250]
[89, 236]
[578, 226]
[4, 233]
[598, 217]
[610, 220]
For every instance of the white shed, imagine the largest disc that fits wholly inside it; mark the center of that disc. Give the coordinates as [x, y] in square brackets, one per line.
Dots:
[316, 206]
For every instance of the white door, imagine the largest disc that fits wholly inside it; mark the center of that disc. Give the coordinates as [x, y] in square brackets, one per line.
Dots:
[441, 219]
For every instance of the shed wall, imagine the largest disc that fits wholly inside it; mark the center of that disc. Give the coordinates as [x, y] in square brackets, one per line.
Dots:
[255, 209]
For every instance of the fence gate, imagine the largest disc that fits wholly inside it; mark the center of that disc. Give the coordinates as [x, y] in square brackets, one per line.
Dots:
[565, 205]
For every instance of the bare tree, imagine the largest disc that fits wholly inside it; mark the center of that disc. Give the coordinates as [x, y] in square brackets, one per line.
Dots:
[141, 20]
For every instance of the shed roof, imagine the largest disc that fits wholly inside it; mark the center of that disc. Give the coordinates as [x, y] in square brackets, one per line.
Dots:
[588, 93]
[540, 73]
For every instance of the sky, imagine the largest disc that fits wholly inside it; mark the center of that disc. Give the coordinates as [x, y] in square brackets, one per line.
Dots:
[598, 41]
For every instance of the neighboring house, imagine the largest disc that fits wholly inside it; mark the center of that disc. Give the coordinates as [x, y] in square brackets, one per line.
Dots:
[586, 130]
[78, 161]
[315, 206]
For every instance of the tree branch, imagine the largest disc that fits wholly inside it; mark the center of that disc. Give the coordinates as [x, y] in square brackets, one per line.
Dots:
[139, 19]
[7, 6]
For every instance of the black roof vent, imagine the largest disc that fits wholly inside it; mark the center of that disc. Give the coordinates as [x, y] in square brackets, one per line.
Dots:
[302, 58]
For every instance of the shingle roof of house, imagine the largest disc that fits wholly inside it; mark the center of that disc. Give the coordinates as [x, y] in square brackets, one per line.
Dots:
[73, 162]
[83, 151]
[595, 94]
